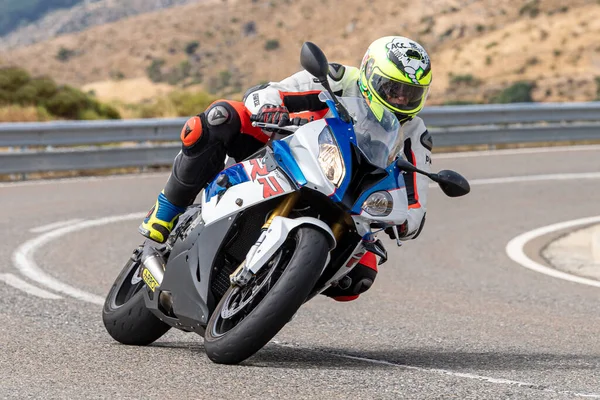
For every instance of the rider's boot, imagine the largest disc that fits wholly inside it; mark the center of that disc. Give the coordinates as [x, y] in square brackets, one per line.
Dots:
[357, 281]
[161, 219]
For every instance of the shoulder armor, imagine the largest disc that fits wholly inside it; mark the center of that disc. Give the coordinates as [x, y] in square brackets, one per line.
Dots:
[336, 71]
[427, 140]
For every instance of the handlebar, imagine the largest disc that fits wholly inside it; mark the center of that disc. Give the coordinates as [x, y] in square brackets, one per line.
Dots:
[275, 127]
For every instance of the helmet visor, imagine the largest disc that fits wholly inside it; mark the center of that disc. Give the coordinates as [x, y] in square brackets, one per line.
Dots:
[399, 95]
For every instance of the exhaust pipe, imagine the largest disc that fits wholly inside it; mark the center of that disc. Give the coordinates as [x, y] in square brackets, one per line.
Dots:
[154, 266]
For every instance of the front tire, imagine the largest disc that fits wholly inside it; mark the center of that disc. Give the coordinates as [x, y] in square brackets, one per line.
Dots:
[125, 315]
[231, 342]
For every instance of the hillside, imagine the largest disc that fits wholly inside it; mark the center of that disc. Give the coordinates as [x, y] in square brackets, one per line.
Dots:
[478, 47]
[24, 22]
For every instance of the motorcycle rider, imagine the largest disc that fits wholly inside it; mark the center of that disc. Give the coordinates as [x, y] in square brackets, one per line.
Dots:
[395, 72]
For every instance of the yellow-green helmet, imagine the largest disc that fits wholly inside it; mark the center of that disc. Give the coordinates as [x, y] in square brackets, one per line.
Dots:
[396, 73]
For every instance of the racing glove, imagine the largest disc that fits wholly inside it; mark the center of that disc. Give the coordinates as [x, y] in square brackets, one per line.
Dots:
[272, 114]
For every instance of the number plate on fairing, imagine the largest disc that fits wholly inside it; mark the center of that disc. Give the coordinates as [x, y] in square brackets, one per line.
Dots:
[265, 181]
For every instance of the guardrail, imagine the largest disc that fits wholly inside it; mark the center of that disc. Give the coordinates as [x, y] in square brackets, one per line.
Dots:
[31, 147]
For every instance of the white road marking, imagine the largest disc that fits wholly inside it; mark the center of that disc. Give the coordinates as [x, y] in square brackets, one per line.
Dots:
[465, 375]
[536, 178]
[23, 256]
[25, 263]
[510, 152]
[20, 284]
[54, 225]
[23, 260]
[515, 251]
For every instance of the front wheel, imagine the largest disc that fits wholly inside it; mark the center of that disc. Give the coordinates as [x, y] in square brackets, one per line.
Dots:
[125, 315]
[247, 318]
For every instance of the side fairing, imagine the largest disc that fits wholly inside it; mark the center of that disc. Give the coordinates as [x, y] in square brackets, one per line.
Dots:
[265, 180]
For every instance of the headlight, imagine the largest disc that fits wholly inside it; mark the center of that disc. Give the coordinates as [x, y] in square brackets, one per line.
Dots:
[379, 204]
[330, 158]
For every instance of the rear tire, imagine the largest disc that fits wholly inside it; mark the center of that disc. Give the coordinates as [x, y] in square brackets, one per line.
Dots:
[273, 311]
[125, 315]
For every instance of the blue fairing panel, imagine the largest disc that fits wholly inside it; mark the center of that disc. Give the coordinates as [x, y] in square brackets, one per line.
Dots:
[286, 161]
[395, 180]
[344, 135]
[236, 173]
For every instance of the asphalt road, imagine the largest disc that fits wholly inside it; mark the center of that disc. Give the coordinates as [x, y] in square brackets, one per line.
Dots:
[450, 315]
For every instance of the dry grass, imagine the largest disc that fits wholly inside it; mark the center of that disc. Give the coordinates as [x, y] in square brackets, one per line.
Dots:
[497, 42]
[23, 114]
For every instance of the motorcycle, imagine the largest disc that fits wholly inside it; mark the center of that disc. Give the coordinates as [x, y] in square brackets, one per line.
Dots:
[272, 231]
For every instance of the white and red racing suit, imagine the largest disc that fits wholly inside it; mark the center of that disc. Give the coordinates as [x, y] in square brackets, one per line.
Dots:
[299, 93]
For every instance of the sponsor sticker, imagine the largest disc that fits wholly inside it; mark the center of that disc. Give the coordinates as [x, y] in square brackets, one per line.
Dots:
[149, 279]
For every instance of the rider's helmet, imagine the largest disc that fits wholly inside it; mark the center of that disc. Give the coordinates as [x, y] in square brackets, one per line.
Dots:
[395, 73]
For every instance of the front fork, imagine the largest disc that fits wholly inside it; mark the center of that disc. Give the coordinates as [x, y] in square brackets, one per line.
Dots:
[241, 276]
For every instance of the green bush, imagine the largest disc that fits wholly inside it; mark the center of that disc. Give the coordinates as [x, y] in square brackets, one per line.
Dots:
[18, 88]
[530, 8]
[34, 91]
[154, 70]
[12, 78]
[271, 44]
[467, 80]
[65, 54]
[191, 47]
[519, 92]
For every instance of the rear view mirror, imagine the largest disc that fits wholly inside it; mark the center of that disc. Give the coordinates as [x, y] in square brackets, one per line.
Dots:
[452, 183]
[314, 61]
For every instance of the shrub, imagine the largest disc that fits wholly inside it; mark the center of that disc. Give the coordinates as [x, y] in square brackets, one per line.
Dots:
[34, 91]
[530, 8]
[12, 78]
[191, 47]
[271, 44]
[467, 80]
[178, 73]
[519, 92]
[21, 92]
[249, 28]
[65, 54]
[154, 70]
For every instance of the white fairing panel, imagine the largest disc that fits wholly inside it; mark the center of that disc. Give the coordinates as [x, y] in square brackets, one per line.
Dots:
[399, 213]
[276, 235]
[304, 145]
[263, 185]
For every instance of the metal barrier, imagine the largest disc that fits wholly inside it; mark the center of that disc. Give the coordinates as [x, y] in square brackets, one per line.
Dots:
[30, 147]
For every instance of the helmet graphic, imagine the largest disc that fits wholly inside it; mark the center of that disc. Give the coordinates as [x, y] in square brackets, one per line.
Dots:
[396, 73]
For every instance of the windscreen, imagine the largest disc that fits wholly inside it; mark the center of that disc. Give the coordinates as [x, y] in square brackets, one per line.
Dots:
[378, 132]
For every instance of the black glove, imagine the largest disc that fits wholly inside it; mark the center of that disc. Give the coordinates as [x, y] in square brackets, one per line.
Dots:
[402, 231]
[272, 114]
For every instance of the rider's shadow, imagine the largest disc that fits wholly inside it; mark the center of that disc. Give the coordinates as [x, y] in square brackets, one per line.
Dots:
[275, 356]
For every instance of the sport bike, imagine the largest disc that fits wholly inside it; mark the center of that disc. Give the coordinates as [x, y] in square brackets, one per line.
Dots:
[272, 231]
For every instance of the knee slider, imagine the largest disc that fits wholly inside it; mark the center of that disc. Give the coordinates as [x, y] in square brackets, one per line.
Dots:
[194, 134]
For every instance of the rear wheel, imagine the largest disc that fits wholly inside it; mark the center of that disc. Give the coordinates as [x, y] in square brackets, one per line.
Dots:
[125, 315]
[247, 318]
